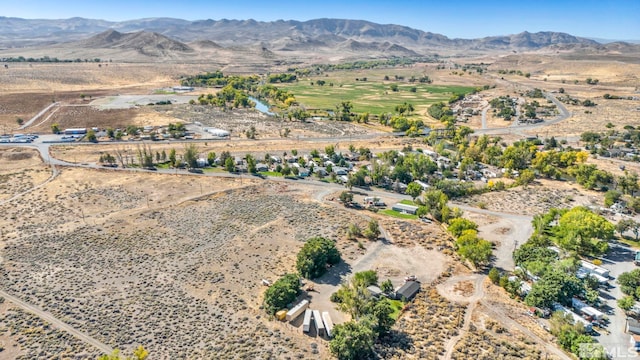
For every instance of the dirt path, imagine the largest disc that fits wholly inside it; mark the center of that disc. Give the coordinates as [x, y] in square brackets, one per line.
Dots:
[28, 123]
[57, 323]
[54, 174]
[447, 290]
[509, 323]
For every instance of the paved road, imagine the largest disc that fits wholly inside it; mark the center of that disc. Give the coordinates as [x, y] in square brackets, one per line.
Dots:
[484, 116]
[615, 341]
[57, 323]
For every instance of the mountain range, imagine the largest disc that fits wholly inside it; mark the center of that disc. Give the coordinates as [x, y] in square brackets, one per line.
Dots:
[175, 38]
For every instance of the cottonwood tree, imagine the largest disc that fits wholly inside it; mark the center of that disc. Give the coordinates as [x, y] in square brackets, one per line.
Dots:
[629, 225]
[172, 157]
[414, 190]
[314, 256]
[191, 155]
[230, 164]
[251, 164]
[281, 293]
[352, 340]
[582, 231]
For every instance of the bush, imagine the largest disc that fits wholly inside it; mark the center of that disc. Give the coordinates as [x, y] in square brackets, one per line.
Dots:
[458, 225]
[314, 256]
[281, 293]
[494, 276]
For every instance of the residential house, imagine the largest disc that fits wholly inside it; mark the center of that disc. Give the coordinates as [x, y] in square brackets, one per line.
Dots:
[408, 291]
[404, 208]
[261, 167]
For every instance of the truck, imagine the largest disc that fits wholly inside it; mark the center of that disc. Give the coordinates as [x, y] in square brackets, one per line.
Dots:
[637, 258]
[297, 310]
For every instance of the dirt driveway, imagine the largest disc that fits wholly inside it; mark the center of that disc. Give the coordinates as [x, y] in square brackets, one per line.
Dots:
[390, 261]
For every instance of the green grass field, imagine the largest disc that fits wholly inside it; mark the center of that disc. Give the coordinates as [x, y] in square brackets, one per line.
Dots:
[397, 306]
[373, 96]
[408, 202]
[397, 214]
[271, 173]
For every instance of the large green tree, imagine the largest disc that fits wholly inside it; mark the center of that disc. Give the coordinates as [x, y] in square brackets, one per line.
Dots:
[584, 232]
[630, 282]
[629, 225]
[458, 225]
[314, 256]
[555, 286]
[381, 313]
[281, 293]
[352, 340]
[230, 164]
[473, 248]
[191, 155]
[414, 190]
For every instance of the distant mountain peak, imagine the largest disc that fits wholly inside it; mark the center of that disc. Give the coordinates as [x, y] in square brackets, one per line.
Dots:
[144, 41]
[164, 35]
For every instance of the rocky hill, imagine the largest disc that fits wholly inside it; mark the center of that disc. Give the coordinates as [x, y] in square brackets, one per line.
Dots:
[175, 38]
[142, 41]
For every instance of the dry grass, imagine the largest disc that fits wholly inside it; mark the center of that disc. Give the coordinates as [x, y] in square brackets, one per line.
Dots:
[536, 198]
[184, 276]
[497, 344]
[423, 329]
[24, 336]
[21, 170]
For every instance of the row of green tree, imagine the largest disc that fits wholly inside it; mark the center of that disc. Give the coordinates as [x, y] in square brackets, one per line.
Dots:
[47, 59]
[319, 69]
[577, 232]
[469, 246]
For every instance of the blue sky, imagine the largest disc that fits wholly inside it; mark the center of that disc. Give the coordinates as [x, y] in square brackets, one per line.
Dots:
[466, 19]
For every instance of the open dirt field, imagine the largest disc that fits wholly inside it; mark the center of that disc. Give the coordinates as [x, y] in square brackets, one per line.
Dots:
[535, 199]
[175, 262]
[193, 267]
[25, 336]
[21, 170]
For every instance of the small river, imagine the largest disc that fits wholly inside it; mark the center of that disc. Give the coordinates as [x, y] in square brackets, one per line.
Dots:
[260, 106]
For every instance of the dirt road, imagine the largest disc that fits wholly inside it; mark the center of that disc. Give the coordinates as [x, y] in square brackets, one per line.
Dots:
[57, 323]
[444, 289]
[447, 289]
